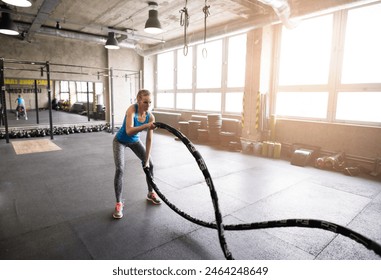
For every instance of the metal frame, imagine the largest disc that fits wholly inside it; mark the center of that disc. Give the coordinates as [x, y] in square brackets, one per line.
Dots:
[104, 72]
[2, 85]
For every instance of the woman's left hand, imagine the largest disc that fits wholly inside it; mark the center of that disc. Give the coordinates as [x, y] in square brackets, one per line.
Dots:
[151, 126]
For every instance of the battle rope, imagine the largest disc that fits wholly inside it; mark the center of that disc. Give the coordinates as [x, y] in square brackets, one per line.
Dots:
[184, 21]
[307, 223]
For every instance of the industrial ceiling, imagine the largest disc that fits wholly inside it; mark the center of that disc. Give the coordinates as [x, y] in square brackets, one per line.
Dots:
[92, 20]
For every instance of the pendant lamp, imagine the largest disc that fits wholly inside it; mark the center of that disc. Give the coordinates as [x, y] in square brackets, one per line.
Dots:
[18, 3]
[7, 26]
[153, 25]
[111, 42]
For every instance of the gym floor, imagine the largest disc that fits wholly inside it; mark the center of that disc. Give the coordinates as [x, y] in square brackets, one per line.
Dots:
[58, 204]
[41, 118]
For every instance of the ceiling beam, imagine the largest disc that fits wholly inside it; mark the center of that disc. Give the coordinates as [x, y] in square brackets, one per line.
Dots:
[47, 7]
[300, 11]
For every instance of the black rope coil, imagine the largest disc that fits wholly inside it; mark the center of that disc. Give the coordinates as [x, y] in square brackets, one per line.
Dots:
[306, 223]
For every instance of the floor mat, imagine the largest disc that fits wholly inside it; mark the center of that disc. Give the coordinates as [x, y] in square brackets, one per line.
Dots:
[34, 146]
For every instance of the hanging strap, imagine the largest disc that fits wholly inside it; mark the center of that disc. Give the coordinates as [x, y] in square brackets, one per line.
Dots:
[184, 21]
[206, 12]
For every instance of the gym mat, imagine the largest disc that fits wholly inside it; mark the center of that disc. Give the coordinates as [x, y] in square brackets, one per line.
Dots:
[34, 146]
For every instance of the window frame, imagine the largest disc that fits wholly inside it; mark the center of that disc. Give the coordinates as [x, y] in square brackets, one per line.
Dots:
[194, 90]
[334, 86]
[63, 91]
[79, 91]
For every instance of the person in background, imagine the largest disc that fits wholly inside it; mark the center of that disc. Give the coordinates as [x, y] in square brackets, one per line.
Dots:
[137, 119]
[21, 109]
[55, 104]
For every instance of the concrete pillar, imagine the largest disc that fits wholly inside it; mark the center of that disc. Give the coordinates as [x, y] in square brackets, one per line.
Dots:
[252, 84]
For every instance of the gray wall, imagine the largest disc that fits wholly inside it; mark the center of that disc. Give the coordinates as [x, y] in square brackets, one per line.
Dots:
[124, 87]
[73, 52]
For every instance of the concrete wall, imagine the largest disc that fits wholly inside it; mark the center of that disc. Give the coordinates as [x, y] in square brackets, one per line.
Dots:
[149, 73]
[56, 50]
[357, 141]
[125, 87]
[27, 92]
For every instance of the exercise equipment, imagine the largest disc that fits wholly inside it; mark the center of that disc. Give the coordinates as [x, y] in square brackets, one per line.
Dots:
[21, 111]
[42, 132]
[306, 223]
[333, 162]
[133, 76]
[301, 157]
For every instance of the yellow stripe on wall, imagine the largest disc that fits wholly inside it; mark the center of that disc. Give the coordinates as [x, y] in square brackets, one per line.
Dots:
[25, 82]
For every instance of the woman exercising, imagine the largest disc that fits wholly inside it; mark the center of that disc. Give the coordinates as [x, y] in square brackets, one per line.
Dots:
[137, 119]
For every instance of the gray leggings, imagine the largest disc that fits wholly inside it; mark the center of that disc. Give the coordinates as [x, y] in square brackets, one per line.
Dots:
[119, 149]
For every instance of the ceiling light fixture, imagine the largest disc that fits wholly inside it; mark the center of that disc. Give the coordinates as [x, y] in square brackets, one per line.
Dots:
[18, 3]
[153, 25]
[111, 42]
[7, 26]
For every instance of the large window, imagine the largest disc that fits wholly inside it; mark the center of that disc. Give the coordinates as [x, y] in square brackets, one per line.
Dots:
[208, 101]
[306, 52]
[165, 100]
[361, 67]
[209, 67]
[82, 89]
[362, 55]
[64, 91]
[234, 102]
[207, 79]
[359, 106]
[165, 72]
[305, 55]
[303, 104]
[329, 68]
[184, 100]
[184, 70]
[165, 78]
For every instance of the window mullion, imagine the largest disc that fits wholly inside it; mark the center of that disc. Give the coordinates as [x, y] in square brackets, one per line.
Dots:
[224, 72]
[194, 76]
[174, 73]
[338, 37]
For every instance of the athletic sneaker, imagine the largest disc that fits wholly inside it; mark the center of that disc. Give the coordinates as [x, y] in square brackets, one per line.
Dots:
[153, 198]
[118, 213]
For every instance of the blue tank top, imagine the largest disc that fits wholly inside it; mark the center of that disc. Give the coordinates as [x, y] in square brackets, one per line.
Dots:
[20, 101]
[122, 135]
